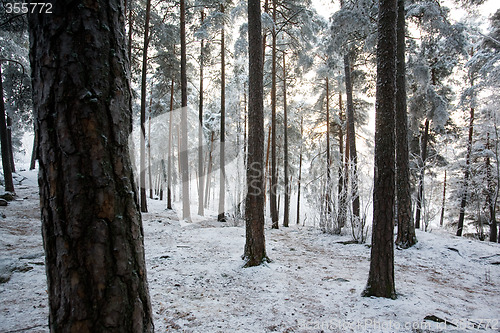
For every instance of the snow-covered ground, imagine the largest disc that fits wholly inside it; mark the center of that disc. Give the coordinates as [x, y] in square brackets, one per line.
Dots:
[313, 283]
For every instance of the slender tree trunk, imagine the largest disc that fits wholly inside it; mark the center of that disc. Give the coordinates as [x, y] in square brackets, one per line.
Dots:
[423, 158]
[170, 153]
[209, 168]
[406, 229]
[441, 219]
[286, 210]
[91, 223]
[463, 201]
[142, 171]
[274, 178]
[266, 166]
[9, 139]
[300, 170]
[328, 160]
[4, 141]
[353, 157]
[490, 195]
[34, 154]
[255, 248]
[222, 188]
[150, 170]
[130, 26]
[186, 213]
[381, 276]
[342, 198]
[201, 176]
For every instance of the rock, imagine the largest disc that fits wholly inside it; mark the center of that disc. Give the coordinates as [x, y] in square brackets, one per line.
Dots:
[9, 266]
[8, 196]
[3, 202]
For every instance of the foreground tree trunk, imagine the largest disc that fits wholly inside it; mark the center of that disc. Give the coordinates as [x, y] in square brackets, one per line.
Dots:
[255, 247]
[4, 141]
[91, 225]
[406, 229]
[183, 147]
[381, 276]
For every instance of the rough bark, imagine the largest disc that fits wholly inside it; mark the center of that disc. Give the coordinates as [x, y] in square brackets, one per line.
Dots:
[4, 141]
[255, 249]
[274, 177]
[406, 229]
[142, 171]
[381, 276]
[222, 169]
[91, 224]
[201, 176]
[353, 156]
[183, 149]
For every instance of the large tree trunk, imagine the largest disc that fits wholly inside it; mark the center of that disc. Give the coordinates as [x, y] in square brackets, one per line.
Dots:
[91, 224]
[406, 229]
[381, 276]
[183, 149]
[222, 175]
[4, 141]
[286, 210]
[142, 171]
[353, 156]
[255, 248]
[423, 158]
[274, 177]
[201, 176]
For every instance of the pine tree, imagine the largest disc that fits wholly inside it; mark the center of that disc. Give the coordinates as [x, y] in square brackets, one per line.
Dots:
[255, 248]
[406, 229]
[183, 147]
[381, 276]
[83, 107]
[142, 171]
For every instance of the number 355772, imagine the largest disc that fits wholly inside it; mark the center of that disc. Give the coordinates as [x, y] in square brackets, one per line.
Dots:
[32, 7]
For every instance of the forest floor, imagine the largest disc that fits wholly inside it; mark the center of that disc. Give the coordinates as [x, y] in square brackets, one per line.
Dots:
[313, 284]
